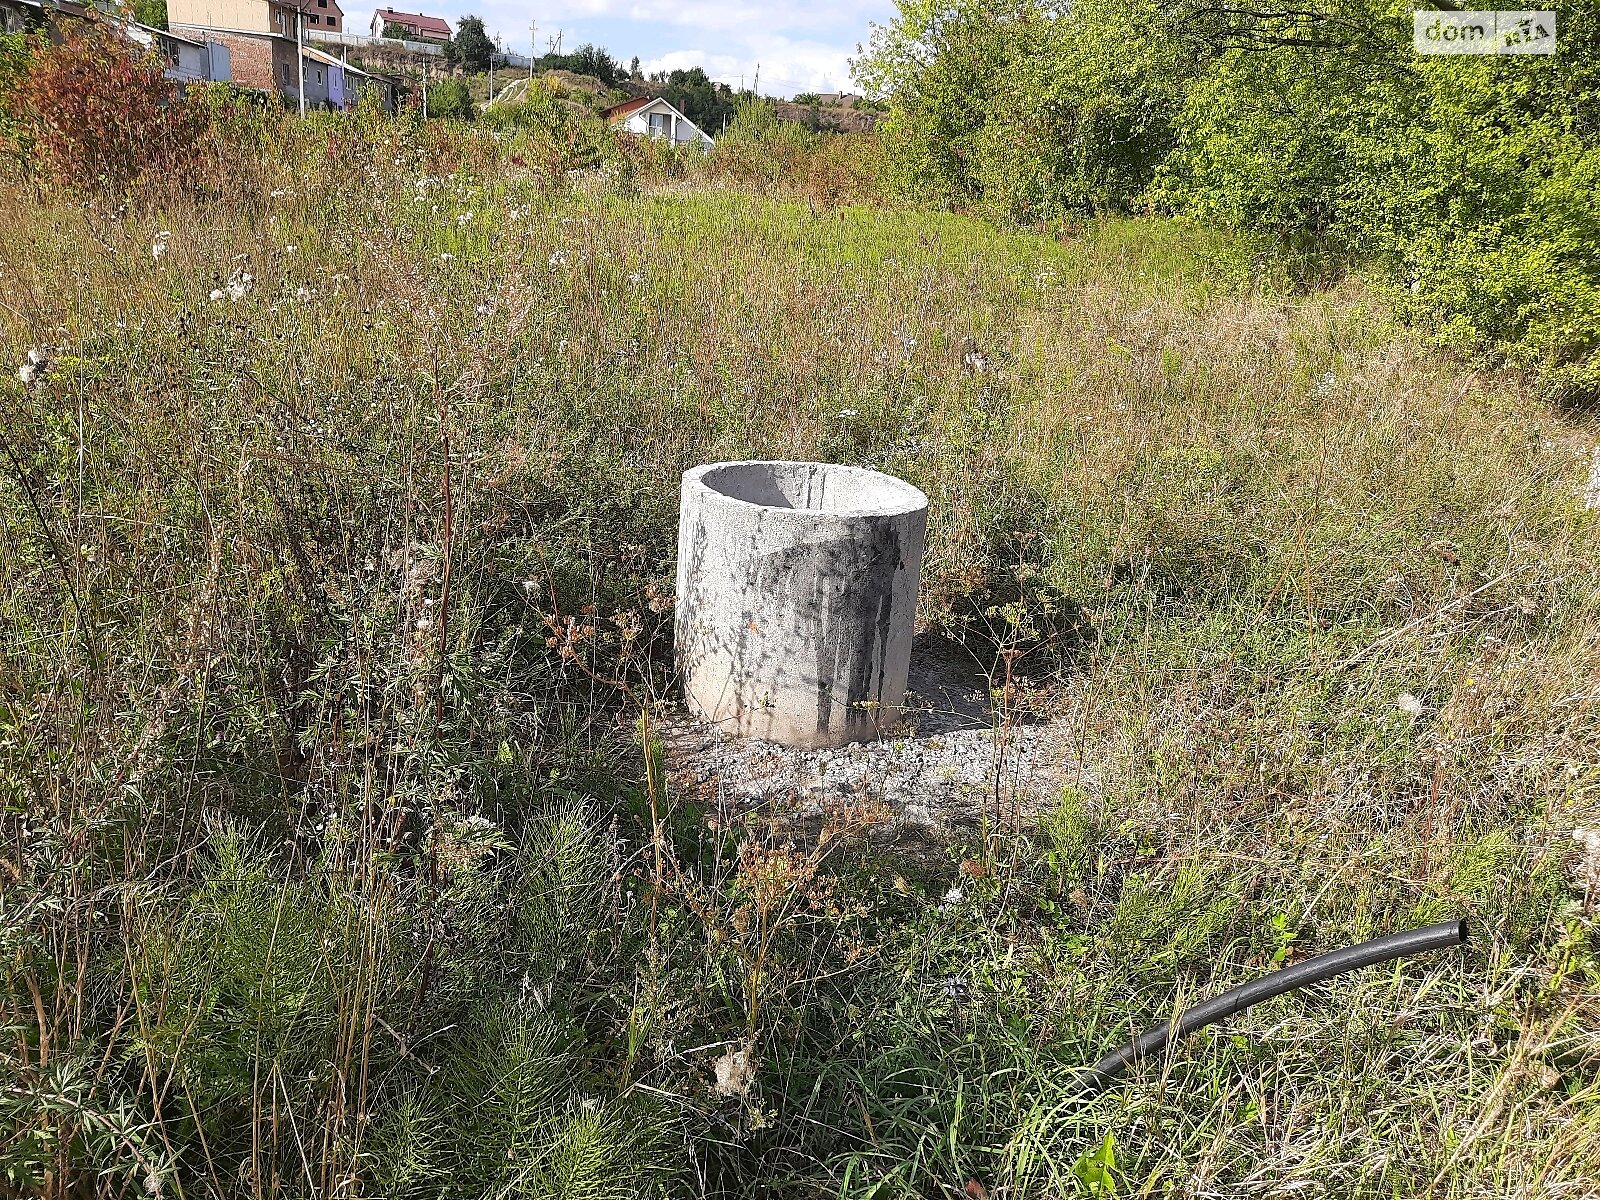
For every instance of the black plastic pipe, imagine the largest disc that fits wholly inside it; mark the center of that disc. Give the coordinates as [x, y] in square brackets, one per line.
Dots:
[1313, 970]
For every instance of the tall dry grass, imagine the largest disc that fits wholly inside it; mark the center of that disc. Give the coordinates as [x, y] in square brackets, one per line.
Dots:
[336, 545]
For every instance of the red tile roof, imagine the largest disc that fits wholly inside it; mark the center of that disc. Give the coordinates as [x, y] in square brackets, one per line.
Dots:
[621, 112]
[422, 24]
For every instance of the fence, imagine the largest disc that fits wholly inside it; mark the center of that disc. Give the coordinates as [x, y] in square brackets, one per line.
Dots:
[356, 39]
[502, 58]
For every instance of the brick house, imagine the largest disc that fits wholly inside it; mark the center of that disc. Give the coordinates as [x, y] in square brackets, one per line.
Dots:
[261, 39]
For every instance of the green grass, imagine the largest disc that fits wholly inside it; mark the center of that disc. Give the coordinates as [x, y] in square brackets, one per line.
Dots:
[331, 861]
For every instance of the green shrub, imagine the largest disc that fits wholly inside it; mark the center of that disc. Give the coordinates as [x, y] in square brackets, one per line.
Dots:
[1468, 180]
[450, 98]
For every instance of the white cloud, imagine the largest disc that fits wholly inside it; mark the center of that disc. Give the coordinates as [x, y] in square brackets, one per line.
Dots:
[784, 67]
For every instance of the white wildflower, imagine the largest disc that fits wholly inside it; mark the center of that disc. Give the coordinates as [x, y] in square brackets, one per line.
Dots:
[446, 256]
[37, 356]
[424, 624]
[217, 294]
[846, 413]
[558, 259]
[302, 292]
[27, 372]
[240, 285]
[291, 249]
[1410, 705]
[735, 1073]
[635, 278]
[464, 218]
[159, 246]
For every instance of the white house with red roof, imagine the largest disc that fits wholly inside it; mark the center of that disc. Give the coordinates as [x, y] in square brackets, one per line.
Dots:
[651, 116]
[414, 26]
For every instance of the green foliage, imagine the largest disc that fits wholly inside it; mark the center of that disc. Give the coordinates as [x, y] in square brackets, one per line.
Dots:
[450, 98]
[588, 59]
[1095, 1170]
[151, 12]
[14, 54]
[471, 46]
[1020, 111]
[1466, 179]
[56, 1119]
[705, 103]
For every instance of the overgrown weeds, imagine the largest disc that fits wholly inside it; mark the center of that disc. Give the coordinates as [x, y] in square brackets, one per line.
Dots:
[337, 559]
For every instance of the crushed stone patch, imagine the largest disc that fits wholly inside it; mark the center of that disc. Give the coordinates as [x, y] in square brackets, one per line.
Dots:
[950, 761]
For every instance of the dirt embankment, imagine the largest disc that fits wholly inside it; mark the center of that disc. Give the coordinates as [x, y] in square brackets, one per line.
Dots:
[835, 118]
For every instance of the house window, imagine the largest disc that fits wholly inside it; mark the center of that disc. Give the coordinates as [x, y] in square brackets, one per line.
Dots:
[658, 124]
[314, 19]
[333, 22]
[322, 3]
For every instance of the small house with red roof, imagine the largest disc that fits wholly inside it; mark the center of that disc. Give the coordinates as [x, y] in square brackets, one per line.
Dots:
[651, 116]
[414, 27]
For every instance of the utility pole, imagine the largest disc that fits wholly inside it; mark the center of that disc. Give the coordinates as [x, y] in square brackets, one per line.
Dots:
[533, 49]
[757, 87]
[300, 55]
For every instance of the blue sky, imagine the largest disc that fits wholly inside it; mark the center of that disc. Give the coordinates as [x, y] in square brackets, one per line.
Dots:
[800, 47]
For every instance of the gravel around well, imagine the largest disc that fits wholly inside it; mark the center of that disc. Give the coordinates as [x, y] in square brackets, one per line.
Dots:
[951, 759]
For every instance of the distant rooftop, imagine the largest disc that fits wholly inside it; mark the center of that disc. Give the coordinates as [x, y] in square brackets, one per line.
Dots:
[423, 24]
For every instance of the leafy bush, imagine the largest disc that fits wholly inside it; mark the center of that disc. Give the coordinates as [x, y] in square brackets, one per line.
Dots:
[450, 98]
[95, 113]
[587, 59]
[14, 52]
[1468, 180]
[1019, 111]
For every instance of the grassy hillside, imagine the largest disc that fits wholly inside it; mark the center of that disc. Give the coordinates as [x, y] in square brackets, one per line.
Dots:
[335, 573]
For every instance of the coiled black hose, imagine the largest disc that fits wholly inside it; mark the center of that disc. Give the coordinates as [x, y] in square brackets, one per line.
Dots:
[1313, 970]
